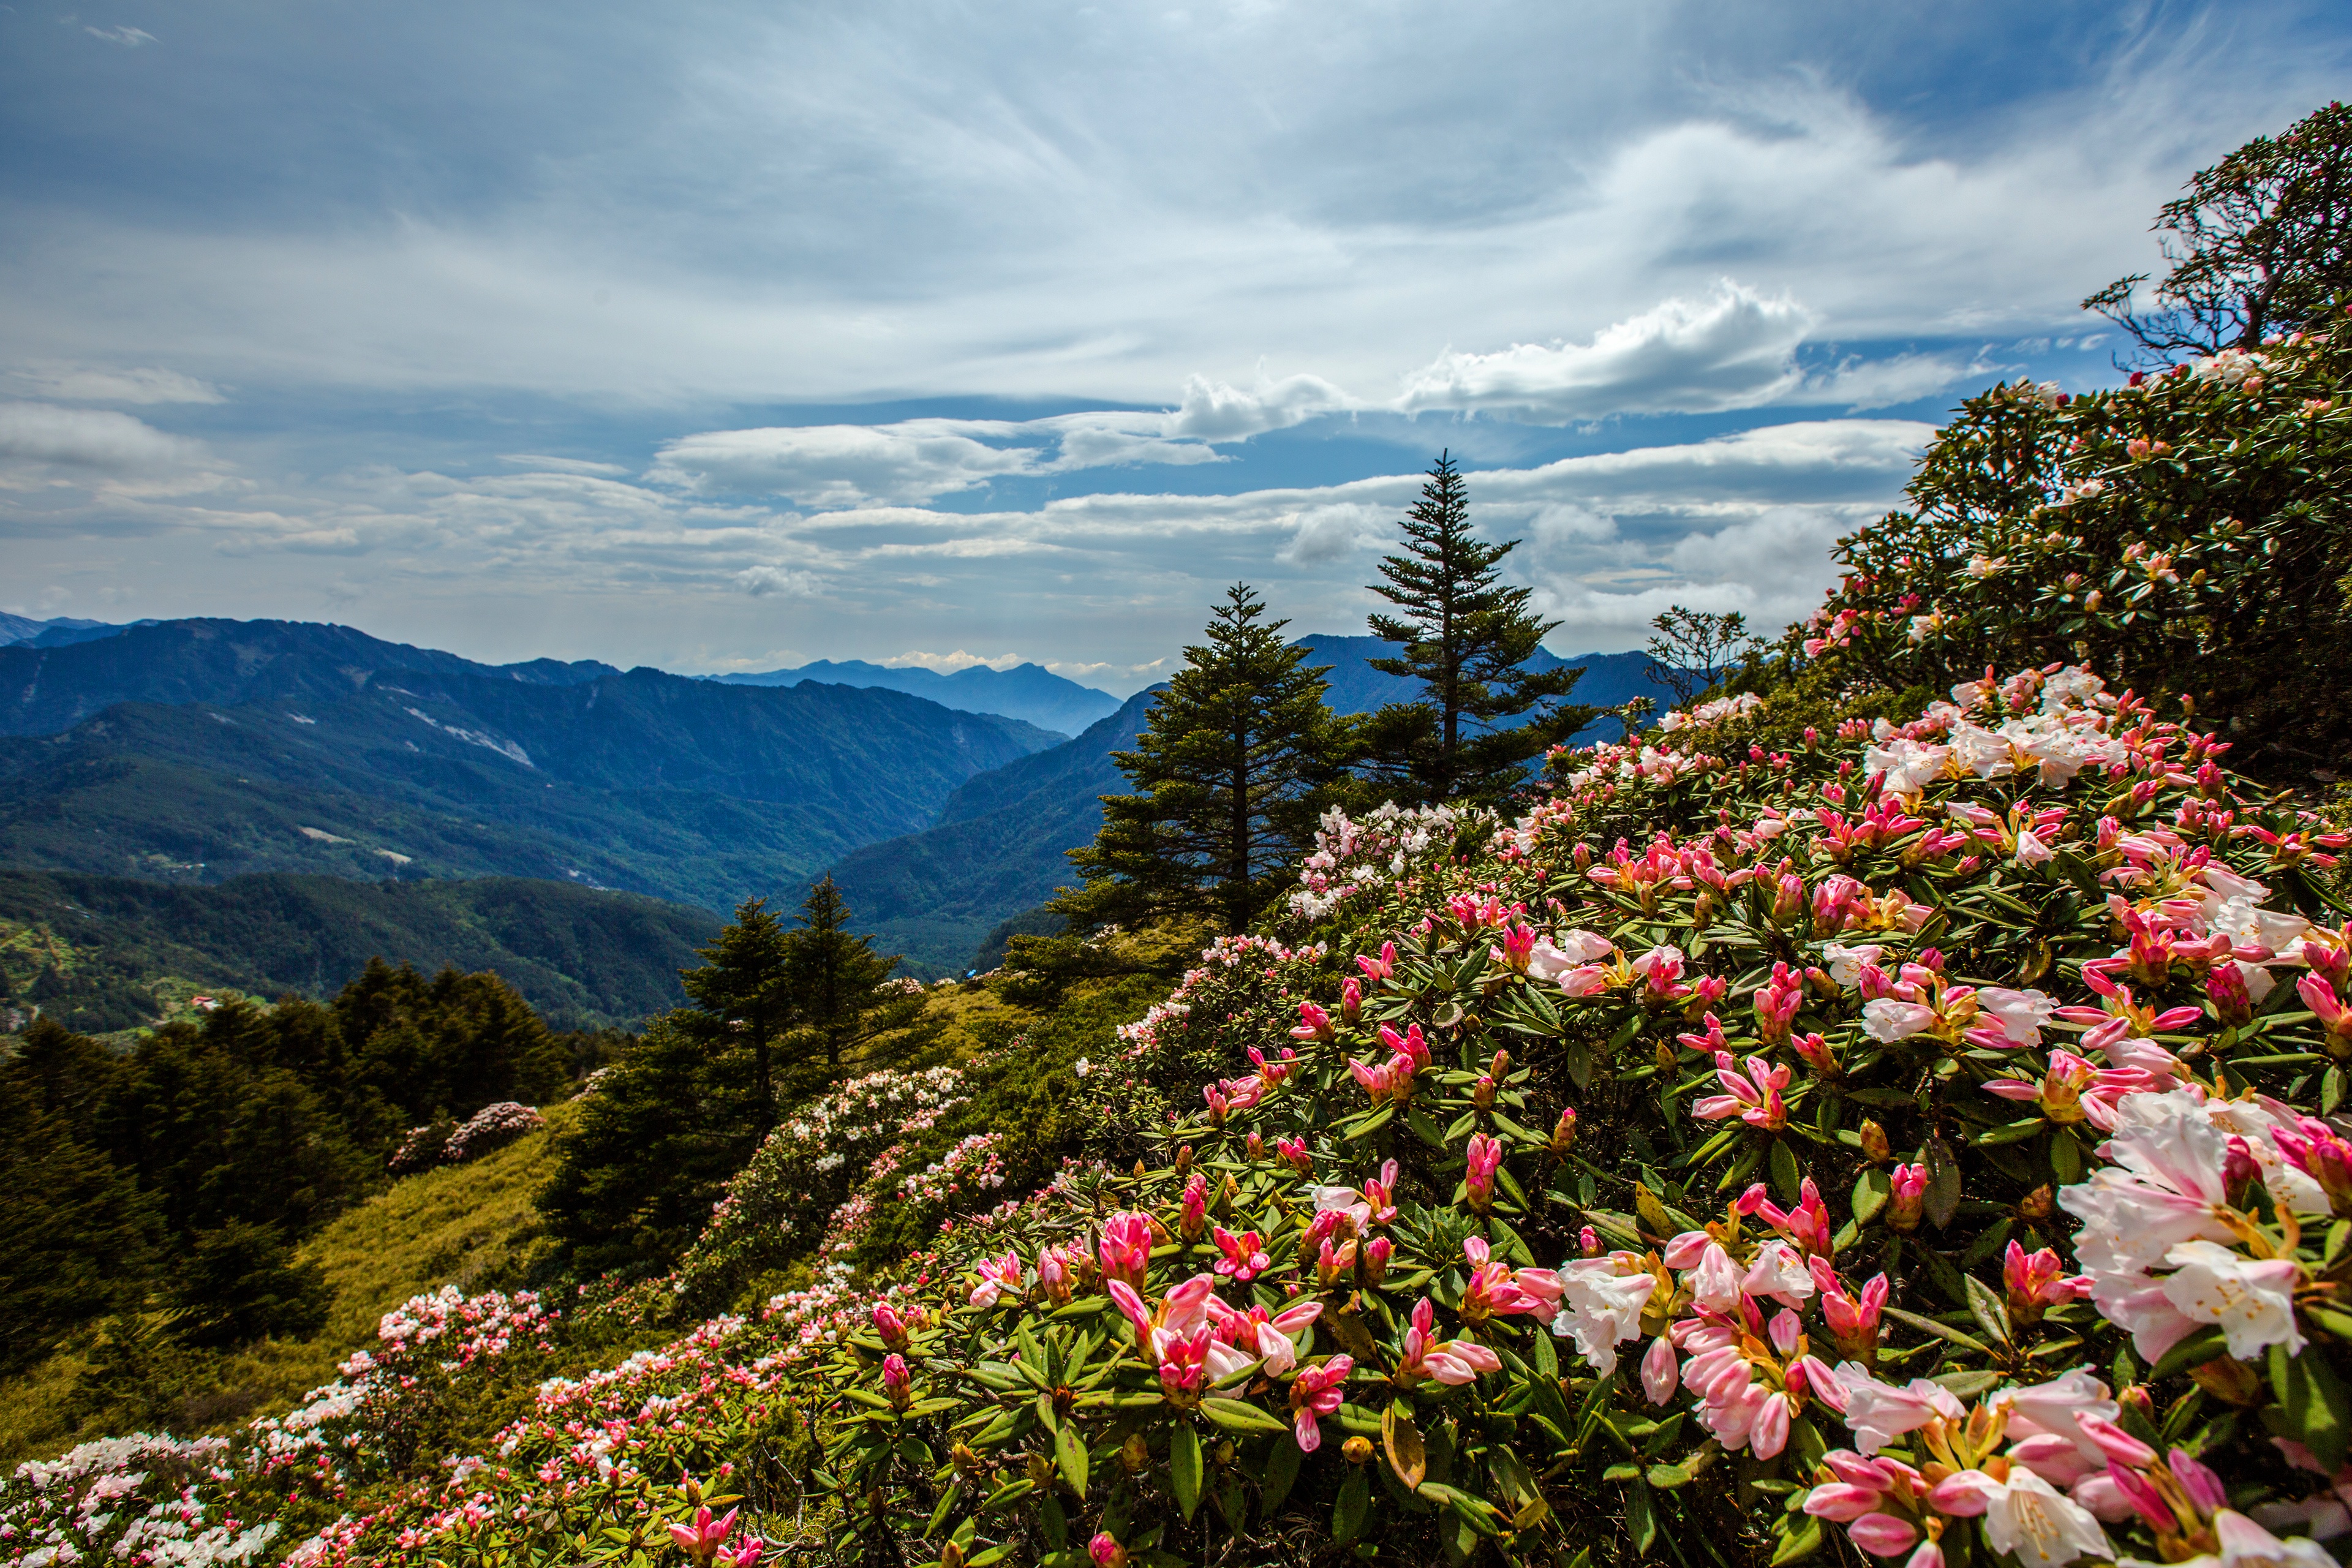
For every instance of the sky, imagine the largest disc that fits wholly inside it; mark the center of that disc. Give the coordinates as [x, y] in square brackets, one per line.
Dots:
[725, 337]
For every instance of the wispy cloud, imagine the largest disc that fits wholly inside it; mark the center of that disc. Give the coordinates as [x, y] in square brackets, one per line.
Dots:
[91, 384]
[97, 439]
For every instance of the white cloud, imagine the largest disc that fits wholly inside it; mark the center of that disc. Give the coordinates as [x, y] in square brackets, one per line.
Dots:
[1212, 411]
[128, 36]
[1734, 349]
[832, 466]
[561, 465]
[1332, 532]
[948, 663]
[1863, 385]
[91, 439]
[761, 581]
[88, 384]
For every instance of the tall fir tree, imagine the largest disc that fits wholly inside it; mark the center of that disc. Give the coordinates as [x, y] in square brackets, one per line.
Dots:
[1467, 639]
[1229, 773]
[835, 978]
[744, 982]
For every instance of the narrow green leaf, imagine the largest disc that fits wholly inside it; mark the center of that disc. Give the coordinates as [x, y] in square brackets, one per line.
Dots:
[1348, 1515]
[1070, 1449]
[1281, 1470]
[1241, 1416]
[1184, 1469]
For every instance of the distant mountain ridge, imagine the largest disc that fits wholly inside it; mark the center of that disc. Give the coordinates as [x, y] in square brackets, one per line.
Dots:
[1610, 679]
[1000, 849]
[62, 629]
[1027, 691]
[193, 751]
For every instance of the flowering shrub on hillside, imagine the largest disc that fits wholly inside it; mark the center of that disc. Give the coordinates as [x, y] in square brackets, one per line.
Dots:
[2185, 534]
[492, 1127]
[1914, 1142]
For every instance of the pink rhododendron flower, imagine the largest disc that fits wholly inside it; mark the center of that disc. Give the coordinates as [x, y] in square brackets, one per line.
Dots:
[1315, 1393]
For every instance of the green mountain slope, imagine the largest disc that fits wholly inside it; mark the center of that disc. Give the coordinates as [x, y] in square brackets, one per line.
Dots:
[1000, 848]
[111, 953]
[998, 851]
[679, 789]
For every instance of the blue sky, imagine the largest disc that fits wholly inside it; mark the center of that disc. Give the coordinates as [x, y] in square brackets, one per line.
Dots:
[721, 337]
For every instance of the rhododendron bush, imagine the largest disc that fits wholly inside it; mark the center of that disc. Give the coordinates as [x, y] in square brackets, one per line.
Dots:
[1916, 1145]
[1913, 1143]
[2186, 533]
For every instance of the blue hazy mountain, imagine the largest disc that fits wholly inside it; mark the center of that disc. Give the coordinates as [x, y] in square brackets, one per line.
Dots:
[193, 751]
[1027, 692]
[1610, 679]
[1000, 849]
[63, 629]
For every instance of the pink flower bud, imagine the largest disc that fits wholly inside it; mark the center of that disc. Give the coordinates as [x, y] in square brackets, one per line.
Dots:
[1883, 1534]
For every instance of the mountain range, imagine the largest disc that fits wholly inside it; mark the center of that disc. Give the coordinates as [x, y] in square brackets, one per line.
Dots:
[1027, 691]
[200, 752]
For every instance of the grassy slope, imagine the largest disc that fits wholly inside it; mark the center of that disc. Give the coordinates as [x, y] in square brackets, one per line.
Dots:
[472, 1225]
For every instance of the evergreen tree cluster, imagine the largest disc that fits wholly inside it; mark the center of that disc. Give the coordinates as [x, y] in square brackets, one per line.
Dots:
[178, 1179]
[777, 1012]
[1243, 755]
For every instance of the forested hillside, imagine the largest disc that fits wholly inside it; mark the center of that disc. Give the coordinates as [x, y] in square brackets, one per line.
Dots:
[300, 760]
[100, 954]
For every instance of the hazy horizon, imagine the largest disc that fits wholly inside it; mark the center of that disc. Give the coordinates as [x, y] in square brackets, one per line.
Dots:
[733, 338]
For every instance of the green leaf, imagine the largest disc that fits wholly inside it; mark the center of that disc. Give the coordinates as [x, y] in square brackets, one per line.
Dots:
[1987, 1309]
[1355, 1504]
[1942, 1332]
[1424, 1128]
[1870, 1191]
[1799, 1543]
[1070, 1449]
[1785, 1177]
[2318, 1415]
[1640, 1522]
[1969, 1385]
[2206, 1344]
[1281, 1471]
[1009, 1492]
[1184, 1469]
[1241, 1416]
[1943, 1198]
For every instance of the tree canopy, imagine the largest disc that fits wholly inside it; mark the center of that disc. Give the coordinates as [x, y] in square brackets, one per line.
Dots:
[1467, 638]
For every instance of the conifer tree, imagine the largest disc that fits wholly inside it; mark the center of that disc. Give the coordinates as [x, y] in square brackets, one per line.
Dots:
[1228, 772]
[1467, 639]
[744, 985]
[835, 978]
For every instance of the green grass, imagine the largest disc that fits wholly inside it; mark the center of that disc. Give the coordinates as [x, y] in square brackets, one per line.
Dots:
[470, 1225]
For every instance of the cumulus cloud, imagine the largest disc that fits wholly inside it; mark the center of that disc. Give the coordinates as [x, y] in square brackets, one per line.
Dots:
[87, 383]
[88, 439]
[1734, 349]
[1333, 532]
[948, 663]
[830, 466]
[760, 582]
[1212, 411]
